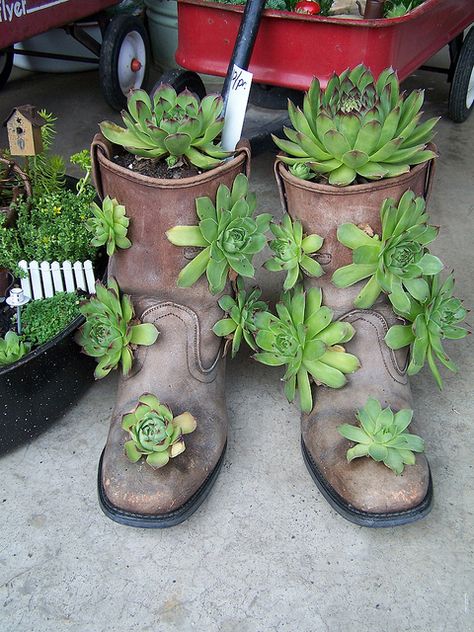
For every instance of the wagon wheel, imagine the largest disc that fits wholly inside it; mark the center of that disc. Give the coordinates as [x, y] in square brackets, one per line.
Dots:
[124, 59]
[461, 95]
[181, 79]
[6, 63]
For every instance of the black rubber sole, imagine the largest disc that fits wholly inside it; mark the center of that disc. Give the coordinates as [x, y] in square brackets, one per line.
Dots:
[362, 518]
[163, 521]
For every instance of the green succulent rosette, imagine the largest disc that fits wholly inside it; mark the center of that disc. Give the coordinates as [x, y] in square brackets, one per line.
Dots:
[293, 252]
[429, 323]
[302, 171]
[109, 225]
[303, 338]
[12, 348]
[382, 436]
[174, 127]
[398, 262]
[111, 331]
[228, 233]
[240, 317]
[357, 127]
[155, 432]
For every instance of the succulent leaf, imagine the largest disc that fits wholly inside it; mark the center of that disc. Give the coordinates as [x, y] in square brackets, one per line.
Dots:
[172, 127]
[229, 234]
[303, 337]
[382, 436]
[110, 330]
[429, 323]
[154, 432]
[12, 348]
[356, 127]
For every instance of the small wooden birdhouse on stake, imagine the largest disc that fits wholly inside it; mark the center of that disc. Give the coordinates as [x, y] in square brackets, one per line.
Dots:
[24, 131]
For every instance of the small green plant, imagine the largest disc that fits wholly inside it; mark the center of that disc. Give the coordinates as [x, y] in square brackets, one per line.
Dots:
[293, 252]
[397, 8]
[357, 126]
[240, 320]
[397, 262]
[109, 225]
[53, 228]
[12, 348]
[45, 318]
[154, 432]
[46, 170]
[382, 436]
[11, 247]
[111, 331]
[430, 322]
[304, 338]
[83, 159]
[228, 233]
[175, 127]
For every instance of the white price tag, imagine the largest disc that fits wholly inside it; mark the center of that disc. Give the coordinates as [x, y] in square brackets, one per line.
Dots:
[236, 107]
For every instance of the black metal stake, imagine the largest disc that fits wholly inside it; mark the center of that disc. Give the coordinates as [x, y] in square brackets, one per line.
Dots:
[244, 43]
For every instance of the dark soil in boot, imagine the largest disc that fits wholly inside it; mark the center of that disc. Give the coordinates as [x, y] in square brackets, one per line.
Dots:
[155, 168]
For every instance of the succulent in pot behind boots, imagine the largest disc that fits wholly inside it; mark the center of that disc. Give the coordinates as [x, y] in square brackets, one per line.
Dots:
[357, 127]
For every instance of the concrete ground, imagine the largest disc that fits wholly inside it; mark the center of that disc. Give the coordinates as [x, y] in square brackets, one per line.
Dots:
[265, 552]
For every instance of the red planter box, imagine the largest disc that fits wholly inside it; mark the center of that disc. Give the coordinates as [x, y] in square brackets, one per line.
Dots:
[291, 48]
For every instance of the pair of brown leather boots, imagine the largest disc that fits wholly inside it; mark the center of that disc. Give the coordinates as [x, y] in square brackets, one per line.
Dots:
[186, 371]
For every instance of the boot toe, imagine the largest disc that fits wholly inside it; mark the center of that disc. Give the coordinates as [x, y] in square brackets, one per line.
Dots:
[139, 495]
[365, 490]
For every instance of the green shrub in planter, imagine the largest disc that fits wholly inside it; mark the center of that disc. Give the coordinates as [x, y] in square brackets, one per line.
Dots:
[47, 317]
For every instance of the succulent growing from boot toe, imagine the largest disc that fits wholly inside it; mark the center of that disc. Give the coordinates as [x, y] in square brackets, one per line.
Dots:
[111, 331]
[357, 126]
[382, 436]
[171, 126]
[430, 322]
[395, 262]
[155, 432]
[303, 338]
[293, 252]
[228, 233]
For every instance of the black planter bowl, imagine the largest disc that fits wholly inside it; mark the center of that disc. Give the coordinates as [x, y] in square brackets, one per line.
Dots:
[36, 391]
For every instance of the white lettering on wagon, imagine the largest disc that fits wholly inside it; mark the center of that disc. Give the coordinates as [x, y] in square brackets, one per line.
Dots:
[9, 10]
[18, 8]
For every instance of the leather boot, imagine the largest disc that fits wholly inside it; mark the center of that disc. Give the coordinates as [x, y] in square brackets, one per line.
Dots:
[363, 491]
[184, 368]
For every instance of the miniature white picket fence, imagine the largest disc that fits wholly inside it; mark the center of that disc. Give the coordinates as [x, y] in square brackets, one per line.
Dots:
[45, 279]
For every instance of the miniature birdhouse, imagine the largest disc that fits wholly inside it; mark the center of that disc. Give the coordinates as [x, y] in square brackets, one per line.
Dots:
[24, 131]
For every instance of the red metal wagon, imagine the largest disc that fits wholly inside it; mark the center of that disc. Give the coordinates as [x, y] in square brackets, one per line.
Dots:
[123, 55]
[291, 48]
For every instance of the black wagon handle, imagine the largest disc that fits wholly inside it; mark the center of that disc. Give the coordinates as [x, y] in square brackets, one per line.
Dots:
[244, 42]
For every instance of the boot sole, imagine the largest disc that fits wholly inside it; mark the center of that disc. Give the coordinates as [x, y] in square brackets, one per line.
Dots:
[363, 518]
[162, 521]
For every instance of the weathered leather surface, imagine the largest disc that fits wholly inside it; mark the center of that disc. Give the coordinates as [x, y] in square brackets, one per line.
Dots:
[184, 368]
[363, 484]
